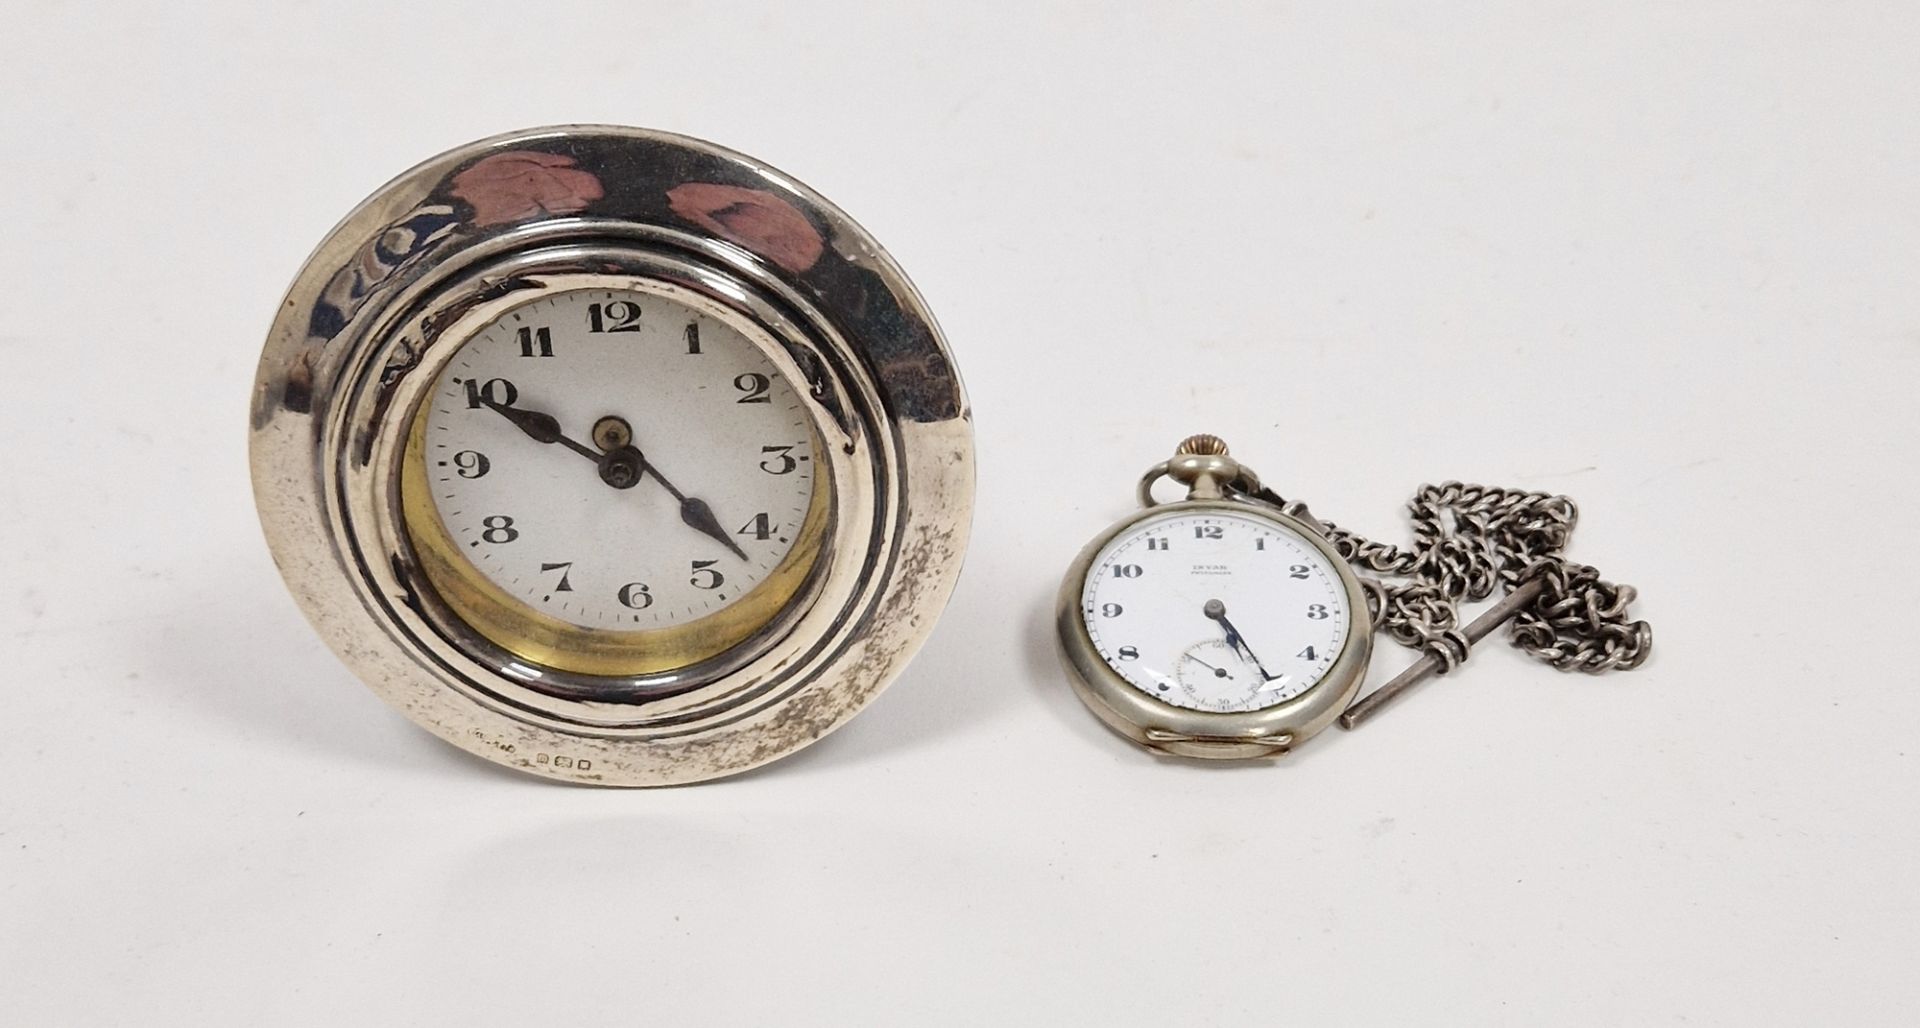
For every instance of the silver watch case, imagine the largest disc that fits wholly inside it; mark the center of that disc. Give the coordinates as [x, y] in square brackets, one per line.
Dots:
[1177, 731]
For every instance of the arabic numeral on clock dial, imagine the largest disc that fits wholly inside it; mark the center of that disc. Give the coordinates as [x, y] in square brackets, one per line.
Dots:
[706, 576]
[1208, 532]
[755, 386]
[761, 527]
[618, 316]
[635, 596]
[535, 342]
[498, 529]
[1128, 571]
[782, 461]
[471, 464]
[1317, 611]
[496, 391]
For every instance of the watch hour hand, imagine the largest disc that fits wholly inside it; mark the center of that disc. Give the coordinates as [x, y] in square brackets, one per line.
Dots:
[541, 428]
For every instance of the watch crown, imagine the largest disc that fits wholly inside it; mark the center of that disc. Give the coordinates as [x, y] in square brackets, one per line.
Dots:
[1203, 444]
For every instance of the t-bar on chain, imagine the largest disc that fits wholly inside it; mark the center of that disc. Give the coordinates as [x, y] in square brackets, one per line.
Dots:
[1468, 540]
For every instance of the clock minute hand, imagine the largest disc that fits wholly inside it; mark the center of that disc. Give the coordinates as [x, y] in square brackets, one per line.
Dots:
[693, 510]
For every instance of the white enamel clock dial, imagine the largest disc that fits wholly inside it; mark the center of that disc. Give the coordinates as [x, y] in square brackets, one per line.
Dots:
[715, 500]
[1215, 611]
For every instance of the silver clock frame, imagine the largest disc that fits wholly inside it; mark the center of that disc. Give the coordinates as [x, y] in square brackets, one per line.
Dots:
[395, 289]
[1175, 731]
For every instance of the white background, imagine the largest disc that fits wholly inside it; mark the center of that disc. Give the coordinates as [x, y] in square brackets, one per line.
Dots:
[1662, 257]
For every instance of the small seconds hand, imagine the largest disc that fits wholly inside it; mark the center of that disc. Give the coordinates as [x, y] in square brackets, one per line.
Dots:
[1218, 672]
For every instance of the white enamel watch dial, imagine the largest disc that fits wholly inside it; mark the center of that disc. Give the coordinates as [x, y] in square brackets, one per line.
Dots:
[1216, 611]
[721, 491]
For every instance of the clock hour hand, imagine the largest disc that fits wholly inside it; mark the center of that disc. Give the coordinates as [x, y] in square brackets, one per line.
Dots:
[1217, 611]
[542, 428]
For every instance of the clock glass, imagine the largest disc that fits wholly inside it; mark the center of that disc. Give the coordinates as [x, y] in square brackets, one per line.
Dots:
[614, 482]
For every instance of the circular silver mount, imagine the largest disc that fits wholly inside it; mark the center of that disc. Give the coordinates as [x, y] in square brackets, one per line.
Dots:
[394, 290]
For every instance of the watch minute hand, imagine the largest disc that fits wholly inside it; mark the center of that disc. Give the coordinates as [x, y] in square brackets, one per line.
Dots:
[1217, 611]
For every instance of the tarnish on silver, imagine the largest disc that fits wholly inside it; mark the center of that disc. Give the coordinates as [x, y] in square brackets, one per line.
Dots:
[392, 292]
[1215, 483]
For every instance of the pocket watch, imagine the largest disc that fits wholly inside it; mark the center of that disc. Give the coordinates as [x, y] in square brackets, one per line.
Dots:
[612, 455]
[1232, 624]
[1213, 627]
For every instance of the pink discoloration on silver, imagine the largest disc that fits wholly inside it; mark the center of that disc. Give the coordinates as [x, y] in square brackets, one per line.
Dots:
[754, 218]
[519, 184]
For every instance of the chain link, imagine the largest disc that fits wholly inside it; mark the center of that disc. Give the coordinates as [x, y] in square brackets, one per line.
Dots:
[1470, 540]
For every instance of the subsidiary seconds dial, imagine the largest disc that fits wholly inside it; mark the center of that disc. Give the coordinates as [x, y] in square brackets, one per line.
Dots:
[618, 459]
